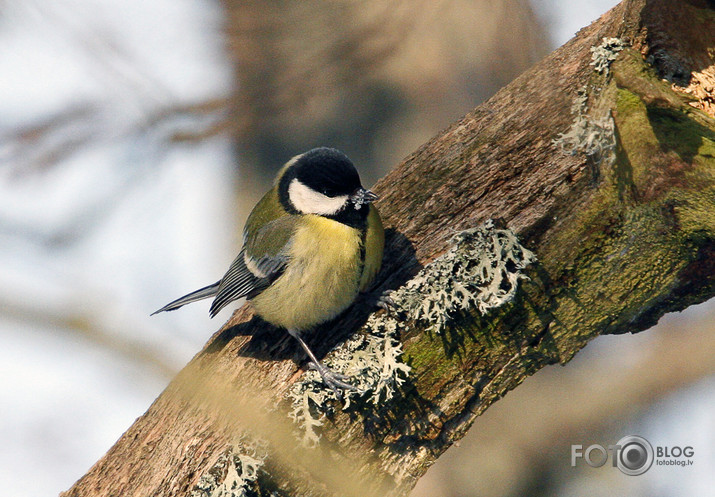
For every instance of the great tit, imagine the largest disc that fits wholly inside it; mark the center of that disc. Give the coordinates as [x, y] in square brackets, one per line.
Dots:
[310, 245]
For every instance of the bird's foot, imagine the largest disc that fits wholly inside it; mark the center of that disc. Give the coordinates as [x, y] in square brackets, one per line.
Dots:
[335, 381]
[331, 378]
[385, 301]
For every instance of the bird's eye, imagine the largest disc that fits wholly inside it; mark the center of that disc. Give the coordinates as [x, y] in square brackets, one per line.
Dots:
[328, 192]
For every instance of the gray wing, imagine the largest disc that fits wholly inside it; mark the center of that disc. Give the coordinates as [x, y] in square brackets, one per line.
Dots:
[262, 260]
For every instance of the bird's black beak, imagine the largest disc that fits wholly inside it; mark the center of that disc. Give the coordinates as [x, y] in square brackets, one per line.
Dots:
[362, 196]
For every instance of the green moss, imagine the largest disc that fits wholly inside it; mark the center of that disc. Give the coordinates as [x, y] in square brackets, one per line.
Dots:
[669, 147]
[694, 211]
[635, 133]
[707, 148]
[628, 103]
[677, 131]
[422, 355]
[631, 72]
[642, 227]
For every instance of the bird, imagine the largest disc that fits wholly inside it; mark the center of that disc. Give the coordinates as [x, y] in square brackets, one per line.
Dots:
[312, 243]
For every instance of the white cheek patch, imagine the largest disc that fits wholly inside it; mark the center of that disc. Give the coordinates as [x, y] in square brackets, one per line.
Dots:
[308, 201]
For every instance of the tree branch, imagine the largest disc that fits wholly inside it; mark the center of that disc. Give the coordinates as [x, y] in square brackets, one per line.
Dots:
[605, 173]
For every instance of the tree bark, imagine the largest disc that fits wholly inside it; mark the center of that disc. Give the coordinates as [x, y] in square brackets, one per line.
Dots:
[607, 176]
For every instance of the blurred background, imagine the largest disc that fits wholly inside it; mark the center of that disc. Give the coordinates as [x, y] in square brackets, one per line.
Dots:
[136, 135]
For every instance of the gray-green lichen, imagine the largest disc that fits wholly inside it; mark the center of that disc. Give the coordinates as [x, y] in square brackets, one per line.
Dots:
[605, 53]
[594, 137]
[235, 472]
[481, 270]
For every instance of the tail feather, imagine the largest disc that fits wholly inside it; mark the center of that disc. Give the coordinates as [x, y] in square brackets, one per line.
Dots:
[202, 293]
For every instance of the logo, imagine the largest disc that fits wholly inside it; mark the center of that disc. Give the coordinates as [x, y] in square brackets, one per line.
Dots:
[635, 456]
[632, 455]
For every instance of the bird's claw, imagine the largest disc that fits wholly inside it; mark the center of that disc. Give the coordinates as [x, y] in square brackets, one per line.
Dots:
[334, 381]
[386, 302]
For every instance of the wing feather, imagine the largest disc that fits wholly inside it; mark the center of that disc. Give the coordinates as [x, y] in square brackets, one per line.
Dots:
[262, 260]
[374, 244]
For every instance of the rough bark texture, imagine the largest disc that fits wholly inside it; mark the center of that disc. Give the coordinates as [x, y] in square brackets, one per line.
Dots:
[622, 237]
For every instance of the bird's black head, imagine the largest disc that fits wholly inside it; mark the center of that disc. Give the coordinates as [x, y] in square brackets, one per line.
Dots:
[324, 181]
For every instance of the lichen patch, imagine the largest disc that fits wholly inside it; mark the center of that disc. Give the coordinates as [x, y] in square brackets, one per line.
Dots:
[593, 137]
[604, 54]
[481, 271]
[234, 474]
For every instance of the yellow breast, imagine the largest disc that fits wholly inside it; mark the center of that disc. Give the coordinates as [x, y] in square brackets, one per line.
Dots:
[321, 279]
